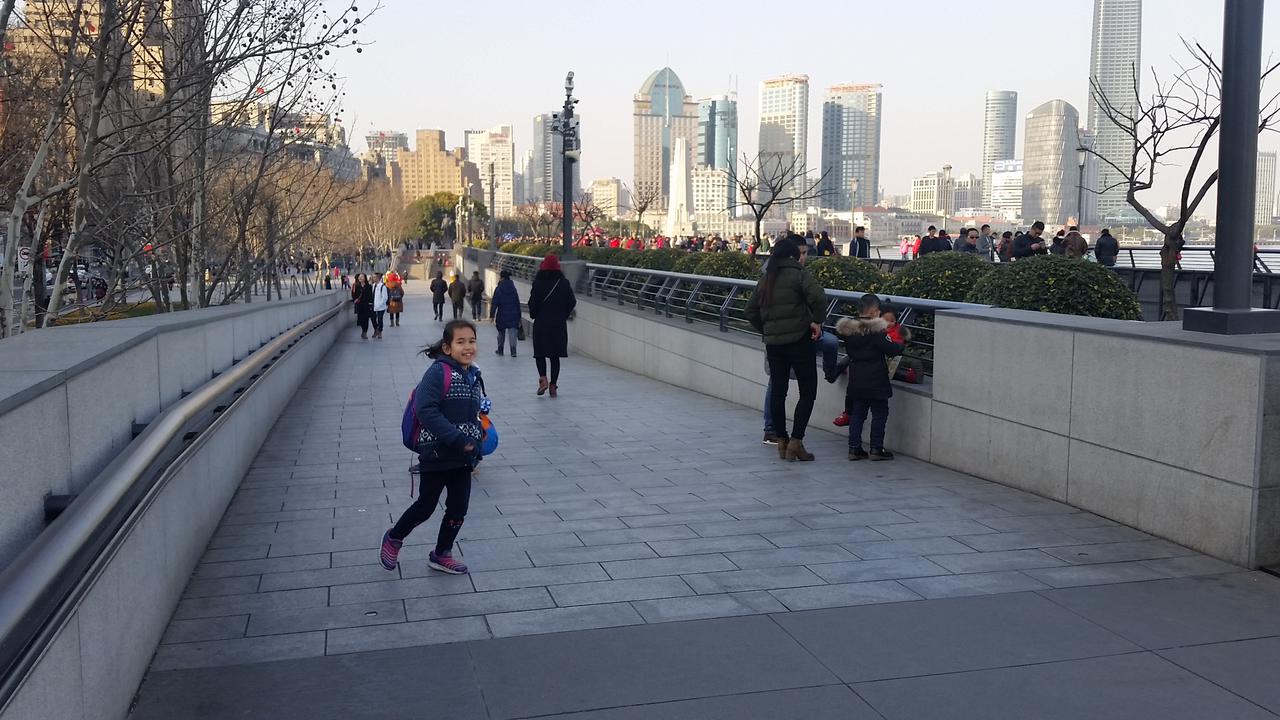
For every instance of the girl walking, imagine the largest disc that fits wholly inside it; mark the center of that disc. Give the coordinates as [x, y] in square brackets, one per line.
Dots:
[551, 301]
[447, 406]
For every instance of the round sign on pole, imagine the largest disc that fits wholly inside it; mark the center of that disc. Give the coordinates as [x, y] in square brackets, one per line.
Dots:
[24, 260]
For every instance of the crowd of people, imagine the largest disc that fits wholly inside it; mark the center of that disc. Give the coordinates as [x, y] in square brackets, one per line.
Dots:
[816, 243]
[1010, 246]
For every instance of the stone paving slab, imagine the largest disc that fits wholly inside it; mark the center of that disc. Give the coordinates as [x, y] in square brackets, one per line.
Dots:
[627, 503]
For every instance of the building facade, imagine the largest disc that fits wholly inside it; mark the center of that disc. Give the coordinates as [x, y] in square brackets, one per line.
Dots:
[1006, 188]
[999, 133]
[1050, 165]
[966, 193]
[934, 193]
[712, 190]
[546, 173]
[1114, 69]
[493, 153]
[661, 113]
[784, 121]
[609, 196]
[387, 143]
[717, 140]
[430, 168]
[851, 146]
[1265, 196]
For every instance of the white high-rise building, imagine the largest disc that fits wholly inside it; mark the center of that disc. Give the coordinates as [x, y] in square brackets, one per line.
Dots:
[1006, 188]
[1265, 196]
[493, 153]
[662, 112]
[999, 133]
[1050, 164]
[546, 183]
[966, 192]
[1114, 69]
[680, 201]
[851, 146]
[784, 122]
[712, 189]
[609, 196]
[934, 193]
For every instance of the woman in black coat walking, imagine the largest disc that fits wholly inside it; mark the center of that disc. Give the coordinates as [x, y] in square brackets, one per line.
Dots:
[551, 301]
[439, 290]
[362, 296]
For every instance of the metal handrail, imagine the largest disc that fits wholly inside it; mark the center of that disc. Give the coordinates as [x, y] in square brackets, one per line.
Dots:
[43, 586]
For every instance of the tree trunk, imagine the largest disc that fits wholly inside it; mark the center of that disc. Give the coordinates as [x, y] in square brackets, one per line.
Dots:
[1169, 251]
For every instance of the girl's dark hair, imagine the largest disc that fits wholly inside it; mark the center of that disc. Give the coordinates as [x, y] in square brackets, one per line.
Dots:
[785, 248]
[436, 349]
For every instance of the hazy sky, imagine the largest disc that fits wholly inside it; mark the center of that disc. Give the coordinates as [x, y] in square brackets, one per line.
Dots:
[460, 65]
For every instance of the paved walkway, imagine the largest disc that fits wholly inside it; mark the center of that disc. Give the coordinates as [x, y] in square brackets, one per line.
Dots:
[637, 554]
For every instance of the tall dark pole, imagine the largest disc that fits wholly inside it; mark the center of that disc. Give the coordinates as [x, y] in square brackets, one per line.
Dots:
[493, 219]
[568, 128]
[1237, 154]
[1237, 165]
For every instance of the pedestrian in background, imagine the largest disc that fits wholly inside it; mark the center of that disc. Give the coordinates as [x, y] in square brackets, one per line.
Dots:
[787, 308]
[551, 302]
[457, 295]
[475, 293]
[439, 291]
[380, 298]
[504, 308]
[362, 298]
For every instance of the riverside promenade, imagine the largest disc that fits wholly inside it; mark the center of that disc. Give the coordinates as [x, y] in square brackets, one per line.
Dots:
[637, 554]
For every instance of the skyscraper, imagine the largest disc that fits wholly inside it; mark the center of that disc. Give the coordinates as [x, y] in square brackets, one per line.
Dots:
[1265, 200]
[429, 168]
[387, 143]
[967, 192]
[494, 147]
[1050, 169]
[1006, 188]
[1114, 65]
[934, 193]
[784, 122]
[717, 141]
[851, 146]
[999, 132]
[547, 163]
[662, 112]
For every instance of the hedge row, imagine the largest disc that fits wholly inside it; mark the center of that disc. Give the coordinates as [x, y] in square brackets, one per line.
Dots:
[1045, 283]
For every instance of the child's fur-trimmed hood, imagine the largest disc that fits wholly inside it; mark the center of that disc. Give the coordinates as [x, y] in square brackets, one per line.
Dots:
[861, 326]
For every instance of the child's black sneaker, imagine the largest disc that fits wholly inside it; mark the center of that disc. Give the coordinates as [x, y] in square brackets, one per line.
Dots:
[881, 454]
[857, 454]
[770, 439]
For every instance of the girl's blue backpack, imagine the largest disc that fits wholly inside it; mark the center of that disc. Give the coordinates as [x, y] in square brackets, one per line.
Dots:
[411, 431]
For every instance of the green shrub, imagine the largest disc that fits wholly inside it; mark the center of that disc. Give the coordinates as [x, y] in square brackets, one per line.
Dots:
[605, 256]
[1056, 284]
[687, 263]
[627, 258]
[846, 273]
[510, 247]
[727, 265]
[939, 276]
[658, 259]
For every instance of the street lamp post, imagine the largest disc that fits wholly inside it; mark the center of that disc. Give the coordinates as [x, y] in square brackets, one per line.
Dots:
[1232, 312]
[566, 125]
[1081, 154]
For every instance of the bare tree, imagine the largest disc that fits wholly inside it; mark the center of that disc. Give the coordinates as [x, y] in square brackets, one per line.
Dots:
[643, 197]
[771, 180]
[1182, 117]
[587, 212]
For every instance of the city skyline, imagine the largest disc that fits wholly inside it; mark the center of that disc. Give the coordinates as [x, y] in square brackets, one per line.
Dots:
[926, 124]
